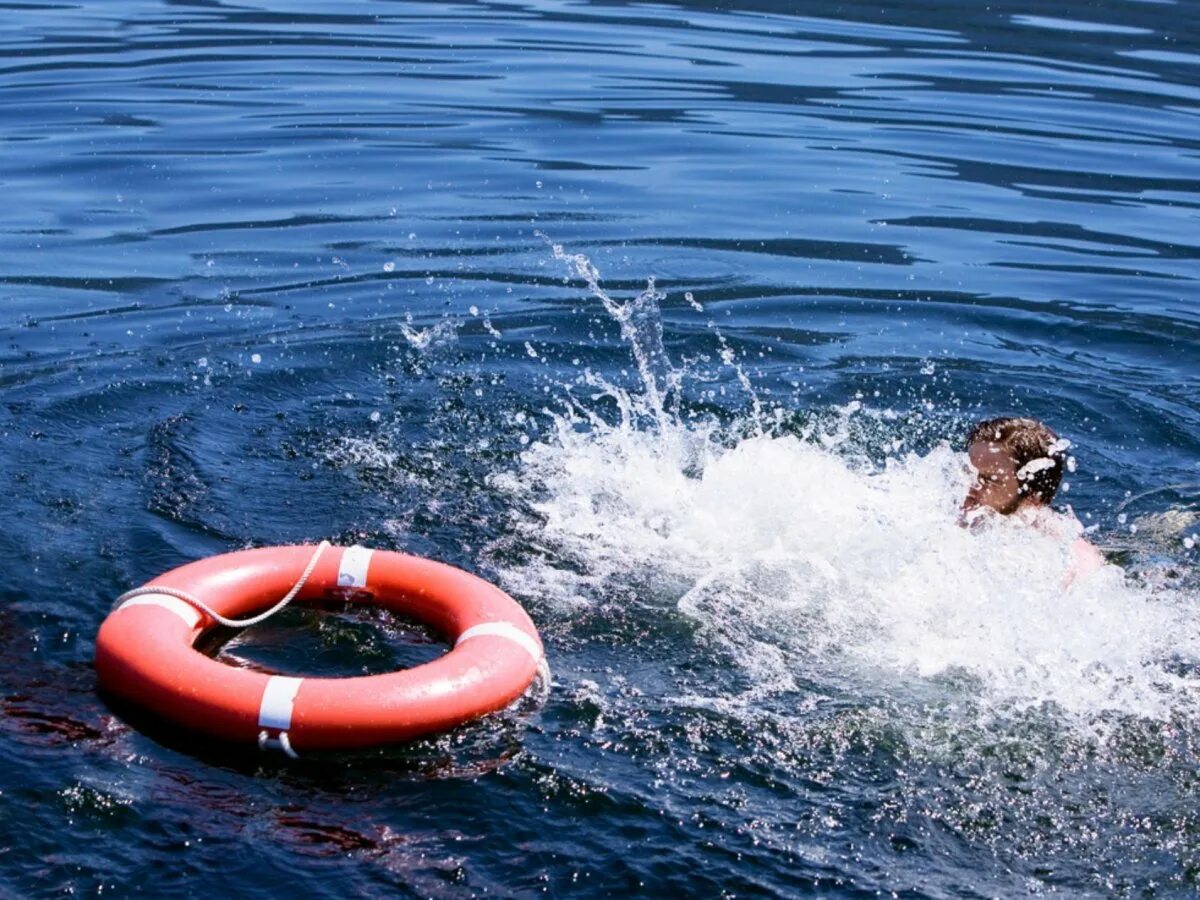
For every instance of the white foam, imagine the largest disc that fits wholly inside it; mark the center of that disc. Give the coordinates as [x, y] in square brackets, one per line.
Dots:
[798, 563]
[362, 453]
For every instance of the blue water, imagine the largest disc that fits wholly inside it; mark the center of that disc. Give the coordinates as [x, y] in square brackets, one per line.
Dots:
[278, 272]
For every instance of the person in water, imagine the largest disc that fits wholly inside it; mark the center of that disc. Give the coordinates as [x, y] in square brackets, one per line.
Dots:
[1018, 466]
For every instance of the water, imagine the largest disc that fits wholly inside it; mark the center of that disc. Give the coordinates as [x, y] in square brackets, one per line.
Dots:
[283, 272]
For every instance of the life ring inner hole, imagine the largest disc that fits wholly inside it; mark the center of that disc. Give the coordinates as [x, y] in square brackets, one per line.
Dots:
[328, 639]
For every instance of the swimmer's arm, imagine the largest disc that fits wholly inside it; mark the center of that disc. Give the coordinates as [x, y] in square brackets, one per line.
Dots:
[1087, 559]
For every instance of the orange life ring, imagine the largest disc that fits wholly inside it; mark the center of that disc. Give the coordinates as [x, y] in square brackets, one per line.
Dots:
[145, 654]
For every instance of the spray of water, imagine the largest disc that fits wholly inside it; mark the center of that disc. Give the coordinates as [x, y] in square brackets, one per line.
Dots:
[800, 563]
[640, 321]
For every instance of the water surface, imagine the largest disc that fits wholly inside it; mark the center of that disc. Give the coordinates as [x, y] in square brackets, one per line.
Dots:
[277, 272]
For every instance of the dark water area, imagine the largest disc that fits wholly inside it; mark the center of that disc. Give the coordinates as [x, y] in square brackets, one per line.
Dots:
[284, 272]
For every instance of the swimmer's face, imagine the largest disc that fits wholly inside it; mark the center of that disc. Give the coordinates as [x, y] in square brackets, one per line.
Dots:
[996, 485]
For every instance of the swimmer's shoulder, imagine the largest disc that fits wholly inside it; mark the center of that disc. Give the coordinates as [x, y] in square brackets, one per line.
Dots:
[1065, 527]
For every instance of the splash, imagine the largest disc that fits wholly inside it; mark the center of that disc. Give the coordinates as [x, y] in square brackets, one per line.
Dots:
[640, 321]
[438, 336]
[802, 563]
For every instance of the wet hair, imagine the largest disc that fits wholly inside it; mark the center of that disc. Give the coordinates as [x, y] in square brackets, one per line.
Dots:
[1038, 454]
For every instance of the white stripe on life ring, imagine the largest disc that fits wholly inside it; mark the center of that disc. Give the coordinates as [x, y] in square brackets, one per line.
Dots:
[503, 630]
[352, 570]
[275, 711]
[181, 608]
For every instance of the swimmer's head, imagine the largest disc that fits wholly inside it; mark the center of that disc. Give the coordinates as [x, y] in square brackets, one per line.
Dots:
[1017, 463]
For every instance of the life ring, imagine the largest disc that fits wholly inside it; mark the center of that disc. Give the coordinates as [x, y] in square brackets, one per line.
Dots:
[145, 651]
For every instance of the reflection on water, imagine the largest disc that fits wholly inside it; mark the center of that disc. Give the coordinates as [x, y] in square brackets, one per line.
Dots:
[276, 274]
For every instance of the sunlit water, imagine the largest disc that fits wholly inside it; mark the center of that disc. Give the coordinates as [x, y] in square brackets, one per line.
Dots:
[669, 319]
